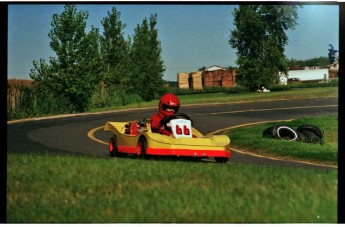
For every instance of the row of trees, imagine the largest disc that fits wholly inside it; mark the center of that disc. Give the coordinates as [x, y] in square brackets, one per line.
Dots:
[87, 61]
[319, 61]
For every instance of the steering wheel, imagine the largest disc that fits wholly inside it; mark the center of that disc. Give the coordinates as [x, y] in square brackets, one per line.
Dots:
[176, 116]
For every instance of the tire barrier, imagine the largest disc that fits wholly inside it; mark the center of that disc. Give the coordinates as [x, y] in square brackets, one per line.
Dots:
[312, 133]
[304, 133]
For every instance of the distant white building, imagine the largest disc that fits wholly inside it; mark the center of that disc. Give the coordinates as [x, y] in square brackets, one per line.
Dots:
[305, 75]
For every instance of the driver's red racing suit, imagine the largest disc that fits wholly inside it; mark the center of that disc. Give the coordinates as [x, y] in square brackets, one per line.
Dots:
[156, 125]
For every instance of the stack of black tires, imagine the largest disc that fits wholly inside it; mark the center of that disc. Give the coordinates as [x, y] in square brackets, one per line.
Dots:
[304, 133]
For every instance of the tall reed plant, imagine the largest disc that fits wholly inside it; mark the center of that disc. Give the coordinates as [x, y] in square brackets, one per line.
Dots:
[26, 102]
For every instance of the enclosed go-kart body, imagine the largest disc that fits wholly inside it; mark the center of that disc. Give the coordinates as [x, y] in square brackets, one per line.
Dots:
[137, 138]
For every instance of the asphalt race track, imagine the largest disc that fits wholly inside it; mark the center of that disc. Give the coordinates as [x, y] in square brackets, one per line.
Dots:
[83, 133]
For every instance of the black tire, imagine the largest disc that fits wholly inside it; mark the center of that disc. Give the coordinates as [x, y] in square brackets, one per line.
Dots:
[311, 137]
[221, 159]
[142, 146]
[281, 132]
[316, 131]
[287, 133]
[113, 147]
[301, 136]
[270, 132]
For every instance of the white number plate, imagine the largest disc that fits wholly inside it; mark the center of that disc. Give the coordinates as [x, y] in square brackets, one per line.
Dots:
[181, 128]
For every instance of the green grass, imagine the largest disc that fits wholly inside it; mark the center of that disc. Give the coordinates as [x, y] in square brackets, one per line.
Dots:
[222, 97]
[70, 189]
[28, 106]
[251, 139]
[295, 93]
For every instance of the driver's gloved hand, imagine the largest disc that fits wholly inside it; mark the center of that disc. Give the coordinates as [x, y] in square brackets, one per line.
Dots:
[165, 120]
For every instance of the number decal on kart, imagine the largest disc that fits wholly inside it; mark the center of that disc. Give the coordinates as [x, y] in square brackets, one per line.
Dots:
[185, 130]
[181, 128]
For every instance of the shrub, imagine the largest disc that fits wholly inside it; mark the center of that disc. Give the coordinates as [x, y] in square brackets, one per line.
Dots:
[112, 97]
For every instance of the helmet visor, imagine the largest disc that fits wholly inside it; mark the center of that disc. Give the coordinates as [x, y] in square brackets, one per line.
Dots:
[168, 108]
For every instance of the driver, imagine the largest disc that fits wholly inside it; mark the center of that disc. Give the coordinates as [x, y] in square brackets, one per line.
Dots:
[169, 105]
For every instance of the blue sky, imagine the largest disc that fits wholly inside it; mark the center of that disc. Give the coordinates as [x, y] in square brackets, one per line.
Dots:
[192, 36]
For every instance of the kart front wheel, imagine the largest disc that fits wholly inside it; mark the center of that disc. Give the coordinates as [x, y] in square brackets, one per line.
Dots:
[221, 159]
[113, 148]
[141, 147]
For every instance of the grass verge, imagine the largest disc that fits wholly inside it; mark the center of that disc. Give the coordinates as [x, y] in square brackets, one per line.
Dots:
[295, 93]
[66, 189]
[251, 139]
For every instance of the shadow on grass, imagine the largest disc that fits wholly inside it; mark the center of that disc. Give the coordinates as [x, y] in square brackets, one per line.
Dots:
[166, 158]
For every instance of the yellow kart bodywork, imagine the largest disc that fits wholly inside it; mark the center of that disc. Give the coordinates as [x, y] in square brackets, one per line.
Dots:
[136, 138]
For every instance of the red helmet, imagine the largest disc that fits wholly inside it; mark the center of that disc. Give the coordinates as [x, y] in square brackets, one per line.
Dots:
[168, 101]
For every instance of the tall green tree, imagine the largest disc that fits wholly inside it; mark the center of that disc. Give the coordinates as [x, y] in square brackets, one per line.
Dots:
[260, 37]
[72, 74]
[115, 51]
[147, 66]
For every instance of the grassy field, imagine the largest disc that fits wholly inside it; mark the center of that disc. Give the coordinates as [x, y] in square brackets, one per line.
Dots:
[69, 189]
[87, 189]
[295, 93]
[298, 93]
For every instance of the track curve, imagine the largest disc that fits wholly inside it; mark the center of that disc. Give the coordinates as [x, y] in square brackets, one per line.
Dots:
[66, 134]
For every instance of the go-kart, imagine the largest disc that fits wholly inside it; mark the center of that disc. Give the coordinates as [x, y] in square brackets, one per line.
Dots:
[136, 137]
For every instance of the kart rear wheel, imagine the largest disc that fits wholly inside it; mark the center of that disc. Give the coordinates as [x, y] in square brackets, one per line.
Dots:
[142, 145]
[221, 159]
[113, 147]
